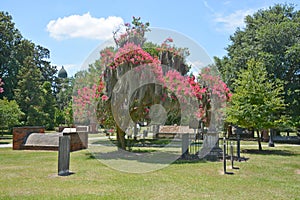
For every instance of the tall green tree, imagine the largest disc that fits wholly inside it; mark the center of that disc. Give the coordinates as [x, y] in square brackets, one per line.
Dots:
[14, 49]
[10, 38]
[28, 75]
[257, 102]
[271, 36]
[29, 94]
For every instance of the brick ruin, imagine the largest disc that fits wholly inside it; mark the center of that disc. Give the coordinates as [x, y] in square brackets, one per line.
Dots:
[35, 138]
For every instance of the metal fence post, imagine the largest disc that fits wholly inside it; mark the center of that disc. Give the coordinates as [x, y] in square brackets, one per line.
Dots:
[224, 155]
[238, 147]
[231, 154]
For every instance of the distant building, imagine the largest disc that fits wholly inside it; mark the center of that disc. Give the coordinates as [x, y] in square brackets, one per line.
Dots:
[62, 73]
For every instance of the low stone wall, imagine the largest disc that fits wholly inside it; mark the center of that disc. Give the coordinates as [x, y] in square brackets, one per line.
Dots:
[34, 138]
[20, 135]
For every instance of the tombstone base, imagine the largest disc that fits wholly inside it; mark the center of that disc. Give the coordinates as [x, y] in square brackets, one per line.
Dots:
[64, 173]
[214, 154]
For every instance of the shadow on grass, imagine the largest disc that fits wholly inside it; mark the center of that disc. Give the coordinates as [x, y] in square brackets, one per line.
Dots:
[164, 158]
[191, 161]
[143, 150]
[139, 156]
[137, 143]
[4, 142]
[270, 152]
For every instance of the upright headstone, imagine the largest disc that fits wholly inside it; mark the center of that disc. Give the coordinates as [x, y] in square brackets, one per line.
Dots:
[64, 155]
[155, 128]
[145, 133]
[185, 145]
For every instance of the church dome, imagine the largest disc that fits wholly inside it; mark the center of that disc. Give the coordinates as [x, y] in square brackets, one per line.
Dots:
[62, 73]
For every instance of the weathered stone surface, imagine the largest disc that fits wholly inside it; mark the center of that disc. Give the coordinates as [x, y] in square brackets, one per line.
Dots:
[175, 129]
[38, 139]
[64, 155]
[172, 131]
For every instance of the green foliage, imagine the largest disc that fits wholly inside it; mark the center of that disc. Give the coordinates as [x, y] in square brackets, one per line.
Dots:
[9, 41]
[64, 92]
[35, 97]
[64, 116]
[14, 51]
[151, 48]
[48, 103]
[271, 36]
[59, 117]
[68, 112]
[29, 93]
[27, 74]
[10, 113]
[257, 102]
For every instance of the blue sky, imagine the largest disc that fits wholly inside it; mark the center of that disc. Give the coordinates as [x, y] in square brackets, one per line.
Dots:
[71, 30]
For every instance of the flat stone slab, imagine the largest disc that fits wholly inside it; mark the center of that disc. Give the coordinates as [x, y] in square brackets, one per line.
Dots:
[39, 139]
[69, 130]
[176, 129]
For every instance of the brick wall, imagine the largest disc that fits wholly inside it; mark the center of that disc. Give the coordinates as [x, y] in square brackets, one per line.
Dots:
[20, 135]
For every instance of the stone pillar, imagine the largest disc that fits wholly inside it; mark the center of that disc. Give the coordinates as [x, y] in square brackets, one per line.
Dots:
[155, 131]
[211, 143]
[64, 155]
[93, 128]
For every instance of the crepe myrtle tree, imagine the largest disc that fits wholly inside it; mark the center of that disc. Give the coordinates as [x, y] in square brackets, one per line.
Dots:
[174, 88]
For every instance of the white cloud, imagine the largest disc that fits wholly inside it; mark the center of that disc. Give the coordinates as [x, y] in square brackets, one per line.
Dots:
[83, 26]
[208, 6]
[232, 21]
[196, 64]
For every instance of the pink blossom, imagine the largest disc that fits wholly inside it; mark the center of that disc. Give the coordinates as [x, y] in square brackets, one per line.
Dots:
[104, 98]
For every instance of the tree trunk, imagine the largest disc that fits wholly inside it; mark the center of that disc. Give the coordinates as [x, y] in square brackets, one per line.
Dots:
[259, 141]
[229, 131]
[121, 138]
[271, 142]
[135, 131]
[252, 133]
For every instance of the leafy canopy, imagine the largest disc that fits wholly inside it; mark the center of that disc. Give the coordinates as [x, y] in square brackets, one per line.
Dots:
[257, 101]
[272, 37]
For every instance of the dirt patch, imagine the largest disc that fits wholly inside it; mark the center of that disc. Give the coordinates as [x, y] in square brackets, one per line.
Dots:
[297, 171]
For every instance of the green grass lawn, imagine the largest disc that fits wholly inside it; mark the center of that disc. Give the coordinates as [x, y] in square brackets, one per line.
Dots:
[274, 174]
